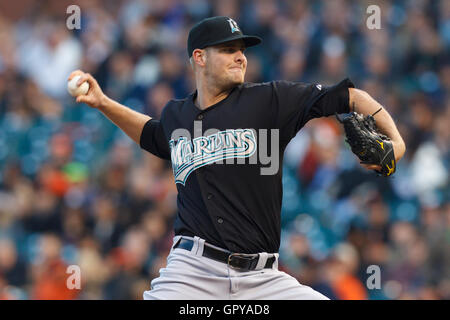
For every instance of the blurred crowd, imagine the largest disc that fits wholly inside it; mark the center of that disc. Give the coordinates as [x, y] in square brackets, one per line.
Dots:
[75, 190]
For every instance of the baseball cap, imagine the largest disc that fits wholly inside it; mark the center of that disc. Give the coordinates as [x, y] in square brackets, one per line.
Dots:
[216, 30]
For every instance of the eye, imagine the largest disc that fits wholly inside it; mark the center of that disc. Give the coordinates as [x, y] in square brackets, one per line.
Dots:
[232, 49]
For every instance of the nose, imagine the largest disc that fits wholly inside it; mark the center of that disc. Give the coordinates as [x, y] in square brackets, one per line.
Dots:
[240, 57]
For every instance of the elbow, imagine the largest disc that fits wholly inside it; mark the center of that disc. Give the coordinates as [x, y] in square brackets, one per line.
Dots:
[399, 149]
[403, 148]
[356, 96]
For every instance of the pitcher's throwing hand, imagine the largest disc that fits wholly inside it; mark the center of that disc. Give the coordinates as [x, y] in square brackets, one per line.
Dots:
[95, 96]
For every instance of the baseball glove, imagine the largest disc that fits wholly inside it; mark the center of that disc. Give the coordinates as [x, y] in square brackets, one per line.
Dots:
[371, 146]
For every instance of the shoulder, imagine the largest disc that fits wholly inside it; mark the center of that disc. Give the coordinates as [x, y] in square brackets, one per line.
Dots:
[255, 88]
[175, 105]
[290, 84]
[273, 85]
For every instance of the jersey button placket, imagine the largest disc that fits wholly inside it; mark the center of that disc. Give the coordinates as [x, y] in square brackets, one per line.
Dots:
[200, 117]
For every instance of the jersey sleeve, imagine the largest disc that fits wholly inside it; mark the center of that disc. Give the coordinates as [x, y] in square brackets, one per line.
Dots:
[154, 140]
[297, 103]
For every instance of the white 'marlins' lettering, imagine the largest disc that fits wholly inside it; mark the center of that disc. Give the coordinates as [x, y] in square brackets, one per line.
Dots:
[188, 155]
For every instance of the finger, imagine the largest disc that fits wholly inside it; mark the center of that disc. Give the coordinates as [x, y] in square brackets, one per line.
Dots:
[79, 99]
[83, 78]
[83, 99]
[371, 166]
[89, 78]
[75, 73]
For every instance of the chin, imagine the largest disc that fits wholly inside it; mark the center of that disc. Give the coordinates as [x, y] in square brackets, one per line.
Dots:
[232, 83]
[238, 80]
[236, 77]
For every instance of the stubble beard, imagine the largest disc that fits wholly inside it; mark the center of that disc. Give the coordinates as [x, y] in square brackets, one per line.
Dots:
[222, 81]
[227, 81]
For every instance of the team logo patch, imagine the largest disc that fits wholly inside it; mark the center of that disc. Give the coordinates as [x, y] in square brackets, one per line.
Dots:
[189, 155]
[233, 25]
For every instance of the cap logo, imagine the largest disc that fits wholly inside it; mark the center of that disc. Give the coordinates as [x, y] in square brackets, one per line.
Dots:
[233, 25]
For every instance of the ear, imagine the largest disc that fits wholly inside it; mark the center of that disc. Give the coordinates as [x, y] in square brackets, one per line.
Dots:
[199, 57]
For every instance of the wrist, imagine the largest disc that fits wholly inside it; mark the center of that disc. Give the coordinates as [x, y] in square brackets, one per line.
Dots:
[104, 102]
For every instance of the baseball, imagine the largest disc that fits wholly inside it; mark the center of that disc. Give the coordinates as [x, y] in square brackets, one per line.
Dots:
[75, 90]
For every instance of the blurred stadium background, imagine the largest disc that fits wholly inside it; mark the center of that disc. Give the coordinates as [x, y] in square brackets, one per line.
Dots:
[75, 190]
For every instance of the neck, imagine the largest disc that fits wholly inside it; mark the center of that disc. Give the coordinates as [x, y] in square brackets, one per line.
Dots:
[208, 95]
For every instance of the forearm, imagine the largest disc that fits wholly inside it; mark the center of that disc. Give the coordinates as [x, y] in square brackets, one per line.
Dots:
[130, 121]
[361, 102]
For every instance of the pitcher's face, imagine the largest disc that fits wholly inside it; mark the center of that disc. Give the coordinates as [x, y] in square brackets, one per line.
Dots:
[226, 64]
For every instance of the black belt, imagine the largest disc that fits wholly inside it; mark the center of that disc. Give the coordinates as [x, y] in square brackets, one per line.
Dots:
[239, 261]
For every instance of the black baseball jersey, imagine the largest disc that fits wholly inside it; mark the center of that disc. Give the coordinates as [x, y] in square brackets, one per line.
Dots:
[217, 155]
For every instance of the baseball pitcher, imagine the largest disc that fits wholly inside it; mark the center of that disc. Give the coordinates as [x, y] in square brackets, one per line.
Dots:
[227, 230]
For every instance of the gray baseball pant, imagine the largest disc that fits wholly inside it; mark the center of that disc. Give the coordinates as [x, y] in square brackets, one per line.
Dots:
[190, 276]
